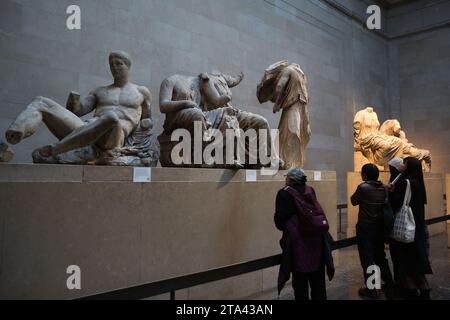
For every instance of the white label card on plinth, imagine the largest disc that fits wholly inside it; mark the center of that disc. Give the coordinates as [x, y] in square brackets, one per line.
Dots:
[142, 174]
[250, 176]
[317, 175]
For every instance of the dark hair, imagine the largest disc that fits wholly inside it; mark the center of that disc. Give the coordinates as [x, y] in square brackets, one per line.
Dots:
[371, 172]
[298, 183]
[414, 173]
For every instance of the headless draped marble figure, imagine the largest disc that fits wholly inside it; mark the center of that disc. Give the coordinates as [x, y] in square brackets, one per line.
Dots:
[119, 110]
[365, 123]
[285, 85]
[380, 145]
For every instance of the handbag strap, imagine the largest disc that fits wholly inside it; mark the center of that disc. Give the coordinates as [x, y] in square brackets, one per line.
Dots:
[407, 199]
[297, 195]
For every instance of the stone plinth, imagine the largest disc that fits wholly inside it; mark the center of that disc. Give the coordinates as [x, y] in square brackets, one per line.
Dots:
[434, 208]
[123, 234]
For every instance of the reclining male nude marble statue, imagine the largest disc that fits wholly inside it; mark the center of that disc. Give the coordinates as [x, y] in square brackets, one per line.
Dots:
[206, 100]
[285, 85]
[119, 133]
[379, 145]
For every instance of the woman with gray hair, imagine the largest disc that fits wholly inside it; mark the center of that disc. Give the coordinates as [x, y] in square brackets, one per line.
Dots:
[306, 243]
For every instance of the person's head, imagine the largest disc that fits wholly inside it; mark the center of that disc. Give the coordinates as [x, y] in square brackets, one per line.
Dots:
[414, 171]
[296, 177]
[120, 64]
[370, 172]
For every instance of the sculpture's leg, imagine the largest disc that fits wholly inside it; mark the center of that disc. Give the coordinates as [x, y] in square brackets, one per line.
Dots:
[294, 135]
[305, 132]
[183, 119]
[187, 118]
[105, 126]
[428, 160]
[285, 140]
[58, 120]
[232, 148]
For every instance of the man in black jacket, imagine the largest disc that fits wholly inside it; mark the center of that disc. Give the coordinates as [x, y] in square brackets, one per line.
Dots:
[370, 197]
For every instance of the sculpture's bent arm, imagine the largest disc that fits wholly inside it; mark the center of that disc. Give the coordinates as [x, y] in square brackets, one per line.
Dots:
[146, 104]
[81, 109]
[166, 105]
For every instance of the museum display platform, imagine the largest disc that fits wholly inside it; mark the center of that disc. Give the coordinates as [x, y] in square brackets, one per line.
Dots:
[434, 184]
[121, 233]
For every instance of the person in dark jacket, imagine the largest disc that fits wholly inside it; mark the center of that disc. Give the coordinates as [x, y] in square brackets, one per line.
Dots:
[305, 256]
[370, 197]
[411, 261]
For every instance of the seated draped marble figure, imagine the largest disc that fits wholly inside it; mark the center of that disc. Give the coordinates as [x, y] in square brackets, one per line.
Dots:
[285, 85]
[379, 145]
[206, 100]
[118, 133]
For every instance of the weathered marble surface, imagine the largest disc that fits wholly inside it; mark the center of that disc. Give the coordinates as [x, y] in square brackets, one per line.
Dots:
[119, 133]
[379, 145]
[205, 99]
[285, 85]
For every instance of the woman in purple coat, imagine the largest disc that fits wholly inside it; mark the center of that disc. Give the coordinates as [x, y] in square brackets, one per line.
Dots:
[411, 261]
[304, 255]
